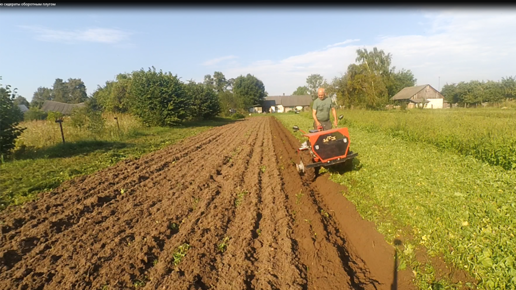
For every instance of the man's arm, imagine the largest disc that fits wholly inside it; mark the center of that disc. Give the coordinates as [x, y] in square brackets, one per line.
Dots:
[314, 112]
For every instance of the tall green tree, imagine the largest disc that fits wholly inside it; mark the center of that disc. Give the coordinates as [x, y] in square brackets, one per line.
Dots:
[10, 116]
[204, 100]
[450, 93]
[220, 82]
[114, 96]
[41, 95]
[399, 80]
[76, 91]
[300, 91]
[209, 82]
[60, 91]
[159, 98]
[249, 91]
[376, 67]
[509, 87]
[19, 100]
[313, 83]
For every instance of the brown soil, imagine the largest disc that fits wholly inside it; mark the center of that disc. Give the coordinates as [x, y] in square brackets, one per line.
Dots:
[232, 194]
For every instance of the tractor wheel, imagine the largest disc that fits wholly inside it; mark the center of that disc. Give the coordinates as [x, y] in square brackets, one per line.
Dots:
[308, 174]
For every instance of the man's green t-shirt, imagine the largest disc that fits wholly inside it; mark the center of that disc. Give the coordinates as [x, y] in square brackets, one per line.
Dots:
[323, 108]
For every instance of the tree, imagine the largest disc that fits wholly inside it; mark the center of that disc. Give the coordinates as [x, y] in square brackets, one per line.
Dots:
[159, 98]
[249, 91]
[204, 101]
[60, 91]
[509, 87]
[400, 80]
[114, 96]
[76, 91]
[314, 82]
[10, 116]
[378, 73]
[449, 91]
[19, 100]
[209, 82]
[219, 81]
[227, 101]
[41, 95]
[300, 91]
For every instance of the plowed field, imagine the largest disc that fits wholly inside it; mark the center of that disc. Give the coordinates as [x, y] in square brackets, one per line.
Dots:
[222, 210]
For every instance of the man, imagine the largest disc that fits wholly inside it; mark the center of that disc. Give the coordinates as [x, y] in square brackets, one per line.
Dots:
[321, 111]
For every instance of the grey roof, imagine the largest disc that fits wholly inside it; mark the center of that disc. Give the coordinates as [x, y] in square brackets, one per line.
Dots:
[23, 108]
[64, 108]
[290, 101]
[408, 92]
[268, 103]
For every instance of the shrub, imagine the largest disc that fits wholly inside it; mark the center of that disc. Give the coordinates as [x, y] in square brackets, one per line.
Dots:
[10, 115]
[53, 116]
[237, 116]
[34, 114]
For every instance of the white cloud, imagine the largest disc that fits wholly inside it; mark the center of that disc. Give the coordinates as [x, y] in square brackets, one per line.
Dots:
[343, 42]
[458, 46]
[102, 35]
[217, 60]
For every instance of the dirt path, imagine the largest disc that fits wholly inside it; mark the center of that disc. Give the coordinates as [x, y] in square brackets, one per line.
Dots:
[230, 198]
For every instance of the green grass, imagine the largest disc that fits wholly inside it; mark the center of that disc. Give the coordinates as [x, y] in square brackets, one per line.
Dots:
[45, 168]
[486, 134]
[454, 205]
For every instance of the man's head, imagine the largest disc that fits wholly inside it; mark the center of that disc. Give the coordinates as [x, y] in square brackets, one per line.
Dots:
[320, 93]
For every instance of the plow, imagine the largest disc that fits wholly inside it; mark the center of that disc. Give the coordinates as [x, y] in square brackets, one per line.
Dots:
[324, 148]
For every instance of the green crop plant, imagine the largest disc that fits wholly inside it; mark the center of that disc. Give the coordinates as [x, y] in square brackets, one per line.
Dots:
[140, 282]
[240, 197]
[299, 196]
[262, 168]
[222, 246]
[180, 253]
[195, 202]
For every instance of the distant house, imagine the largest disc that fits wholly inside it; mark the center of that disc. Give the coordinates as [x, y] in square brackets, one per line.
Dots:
[64, 108]
[23, 108]
[424, 95]
[283, 104]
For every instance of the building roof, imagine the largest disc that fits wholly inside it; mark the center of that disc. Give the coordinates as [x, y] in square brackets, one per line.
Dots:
[23, 108]
[408, 92]
[64, 108]
[288, 101]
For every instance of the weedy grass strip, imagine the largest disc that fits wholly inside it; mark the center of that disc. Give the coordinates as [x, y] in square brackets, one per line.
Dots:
[486, 134]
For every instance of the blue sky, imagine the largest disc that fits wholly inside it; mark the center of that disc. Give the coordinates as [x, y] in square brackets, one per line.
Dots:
[280, 46]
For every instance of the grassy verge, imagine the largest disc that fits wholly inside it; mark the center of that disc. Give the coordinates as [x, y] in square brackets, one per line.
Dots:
[452, 205]
[45, 168]
[486, 134]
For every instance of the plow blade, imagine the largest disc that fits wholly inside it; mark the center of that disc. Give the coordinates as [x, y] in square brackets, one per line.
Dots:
[350, 156]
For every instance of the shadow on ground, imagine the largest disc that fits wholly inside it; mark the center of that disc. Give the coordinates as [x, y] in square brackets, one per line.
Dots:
[68, 149]
[341, 168]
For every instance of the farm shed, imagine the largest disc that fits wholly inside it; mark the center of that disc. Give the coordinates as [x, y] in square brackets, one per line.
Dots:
[64, 108]
[424, 95]
[283, 104]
